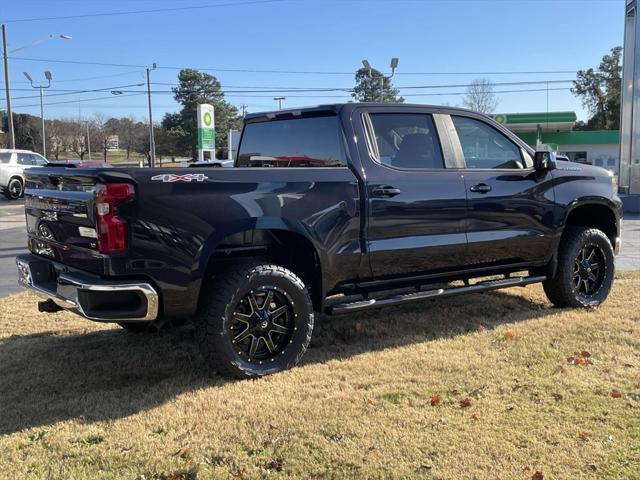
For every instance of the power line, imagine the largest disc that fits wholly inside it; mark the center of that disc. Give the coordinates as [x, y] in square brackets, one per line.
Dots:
[239, 95]
[229, 90]
[292, 72]
[136, 12]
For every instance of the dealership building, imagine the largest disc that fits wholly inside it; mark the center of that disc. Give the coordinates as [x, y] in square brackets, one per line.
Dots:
[555, 130]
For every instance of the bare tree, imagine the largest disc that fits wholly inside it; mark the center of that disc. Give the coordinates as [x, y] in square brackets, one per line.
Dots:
[480, 96]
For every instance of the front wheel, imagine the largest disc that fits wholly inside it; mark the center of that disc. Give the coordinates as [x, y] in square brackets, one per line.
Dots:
[256, 319]
[14, 189]
[585, 269]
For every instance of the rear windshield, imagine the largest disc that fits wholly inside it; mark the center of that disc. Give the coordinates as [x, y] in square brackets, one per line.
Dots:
[5, 157]
[300, 142]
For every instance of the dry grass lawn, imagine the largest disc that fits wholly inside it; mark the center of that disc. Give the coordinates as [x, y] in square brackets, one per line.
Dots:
[82, 400]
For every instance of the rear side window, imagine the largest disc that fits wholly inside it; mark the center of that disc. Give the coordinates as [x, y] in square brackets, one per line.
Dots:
[300, 142]
[484, 146]
[406, 141]
[5, 157]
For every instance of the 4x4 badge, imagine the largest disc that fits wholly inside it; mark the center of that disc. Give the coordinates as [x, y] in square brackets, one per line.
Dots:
[172, 177]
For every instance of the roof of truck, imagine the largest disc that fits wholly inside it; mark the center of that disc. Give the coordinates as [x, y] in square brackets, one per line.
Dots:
[336, 107]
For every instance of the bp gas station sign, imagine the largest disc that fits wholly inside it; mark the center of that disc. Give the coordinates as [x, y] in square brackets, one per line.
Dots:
[206, 130]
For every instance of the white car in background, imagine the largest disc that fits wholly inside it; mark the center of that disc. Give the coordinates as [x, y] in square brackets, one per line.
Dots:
[12, 165]
[213, 163]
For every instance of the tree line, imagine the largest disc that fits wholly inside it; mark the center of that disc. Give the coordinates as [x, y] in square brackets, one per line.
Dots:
[176, 134]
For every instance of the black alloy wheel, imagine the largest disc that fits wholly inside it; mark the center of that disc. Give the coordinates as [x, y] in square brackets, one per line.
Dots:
[262, 324]
[589, 270]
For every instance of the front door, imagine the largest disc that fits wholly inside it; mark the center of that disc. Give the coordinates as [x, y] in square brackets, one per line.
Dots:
[510, 206]
[416, 207]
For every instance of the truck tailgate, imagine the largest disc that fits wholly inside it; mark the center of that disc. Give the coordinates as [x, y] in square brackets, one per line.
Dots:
[61, 216]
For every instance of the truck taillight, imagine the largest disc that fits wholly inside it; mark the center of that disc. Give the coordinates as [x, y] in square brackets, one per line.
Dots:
[112, 231]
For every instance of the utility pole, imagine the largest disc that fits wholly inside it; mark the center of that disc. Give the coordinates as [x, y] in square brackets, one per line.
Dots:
[12, 138]
[41, 87]
[244, 110]
[152, 141]
[88, 141]
[7, 86]
[279, 100]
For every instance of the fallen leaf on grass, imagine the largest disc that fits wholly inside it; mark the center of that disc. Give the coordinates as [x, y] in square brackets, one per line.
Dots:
[557, 397]
[435, 400]
[509, 336]
[570, 462]
[638, 386]
[274, 465]
[580, 358]
[615, 394]
[537, 476]
[466, 403]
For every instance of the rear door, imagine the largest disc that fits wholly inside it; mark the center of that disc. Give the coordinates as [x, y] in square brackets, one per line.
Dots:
[416, 205]
[510, 206]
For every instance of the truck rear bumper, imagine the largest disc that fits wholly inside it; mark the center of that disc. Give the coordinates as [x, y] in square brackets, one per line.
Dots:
[87, 294]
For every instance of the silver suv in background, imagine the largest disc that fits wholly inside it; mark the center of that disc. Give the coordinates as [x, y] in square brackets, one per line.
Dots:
[12, 165]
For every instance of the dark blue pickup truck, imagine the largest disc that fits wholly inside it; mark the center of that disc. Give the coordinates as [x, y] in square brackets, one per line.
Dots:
[331, 209]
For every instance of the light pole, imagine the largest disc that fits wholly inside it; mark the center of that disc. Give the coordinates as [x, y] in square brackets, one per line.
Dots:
[41, 87]
[7, 86]
[279, 100]
[393, 65]
[152, 141]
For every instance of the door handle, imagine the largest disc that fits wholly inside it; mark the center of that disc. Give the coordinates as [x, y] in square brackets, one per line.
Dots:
[385, 191]
[481, 188]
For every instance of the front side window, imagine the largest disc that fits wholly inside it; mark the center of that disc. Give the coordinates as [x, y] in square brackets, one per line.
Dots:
[300, 142]
[38, 160]
[484, 146]
[406, 141]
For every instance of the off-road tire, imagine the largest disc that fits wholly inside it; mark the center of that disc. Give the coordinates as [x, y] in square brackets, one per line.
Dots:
[14, 185]
[561, 289]
[220, 299]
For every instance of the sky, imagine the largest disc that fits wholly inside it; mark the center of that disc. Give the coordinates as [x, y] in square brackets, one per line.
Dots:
[256, 46]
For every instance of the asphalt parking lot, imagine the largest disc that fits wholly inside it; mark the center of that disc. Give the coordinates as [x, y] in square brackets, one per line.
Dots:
[12, 243]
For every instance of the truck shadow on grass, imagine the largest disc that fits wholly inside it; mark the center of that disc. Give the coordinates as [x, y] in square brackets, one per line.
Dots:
[111, 374]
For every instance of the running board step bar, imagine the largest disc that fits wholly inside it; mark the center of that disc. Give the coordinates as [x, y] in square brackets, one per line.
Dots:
[349, 307]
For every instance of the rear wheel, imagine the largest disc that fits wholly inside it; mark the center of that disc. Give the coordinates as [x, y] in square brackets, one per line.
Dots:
[14, 189]
[585, 269]
[255, 320]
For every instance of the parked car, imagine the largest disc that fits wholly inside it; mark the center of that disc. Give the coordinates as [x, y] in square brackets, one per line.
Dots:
[79, 164]
[393, 203]
[213, 163]
[12, 165]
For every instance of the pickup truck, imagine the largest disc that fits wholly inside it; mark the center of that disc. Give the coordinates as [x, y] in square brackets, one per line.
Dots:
[331, 209]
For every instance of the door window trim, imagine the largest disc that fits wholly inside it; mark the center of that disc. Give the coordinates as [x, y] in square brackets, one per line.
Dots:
[372, 144]
[455, 138]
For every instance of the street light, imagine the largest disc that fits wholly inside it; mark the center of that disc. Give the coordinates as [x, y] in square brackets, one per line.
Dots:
[48, 76]
[279, 100]
[393, 65]
[5, 54]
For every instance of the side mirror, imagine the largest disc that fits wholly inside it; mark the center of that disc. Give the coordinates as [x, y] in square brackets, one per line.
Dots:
[544, 161]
